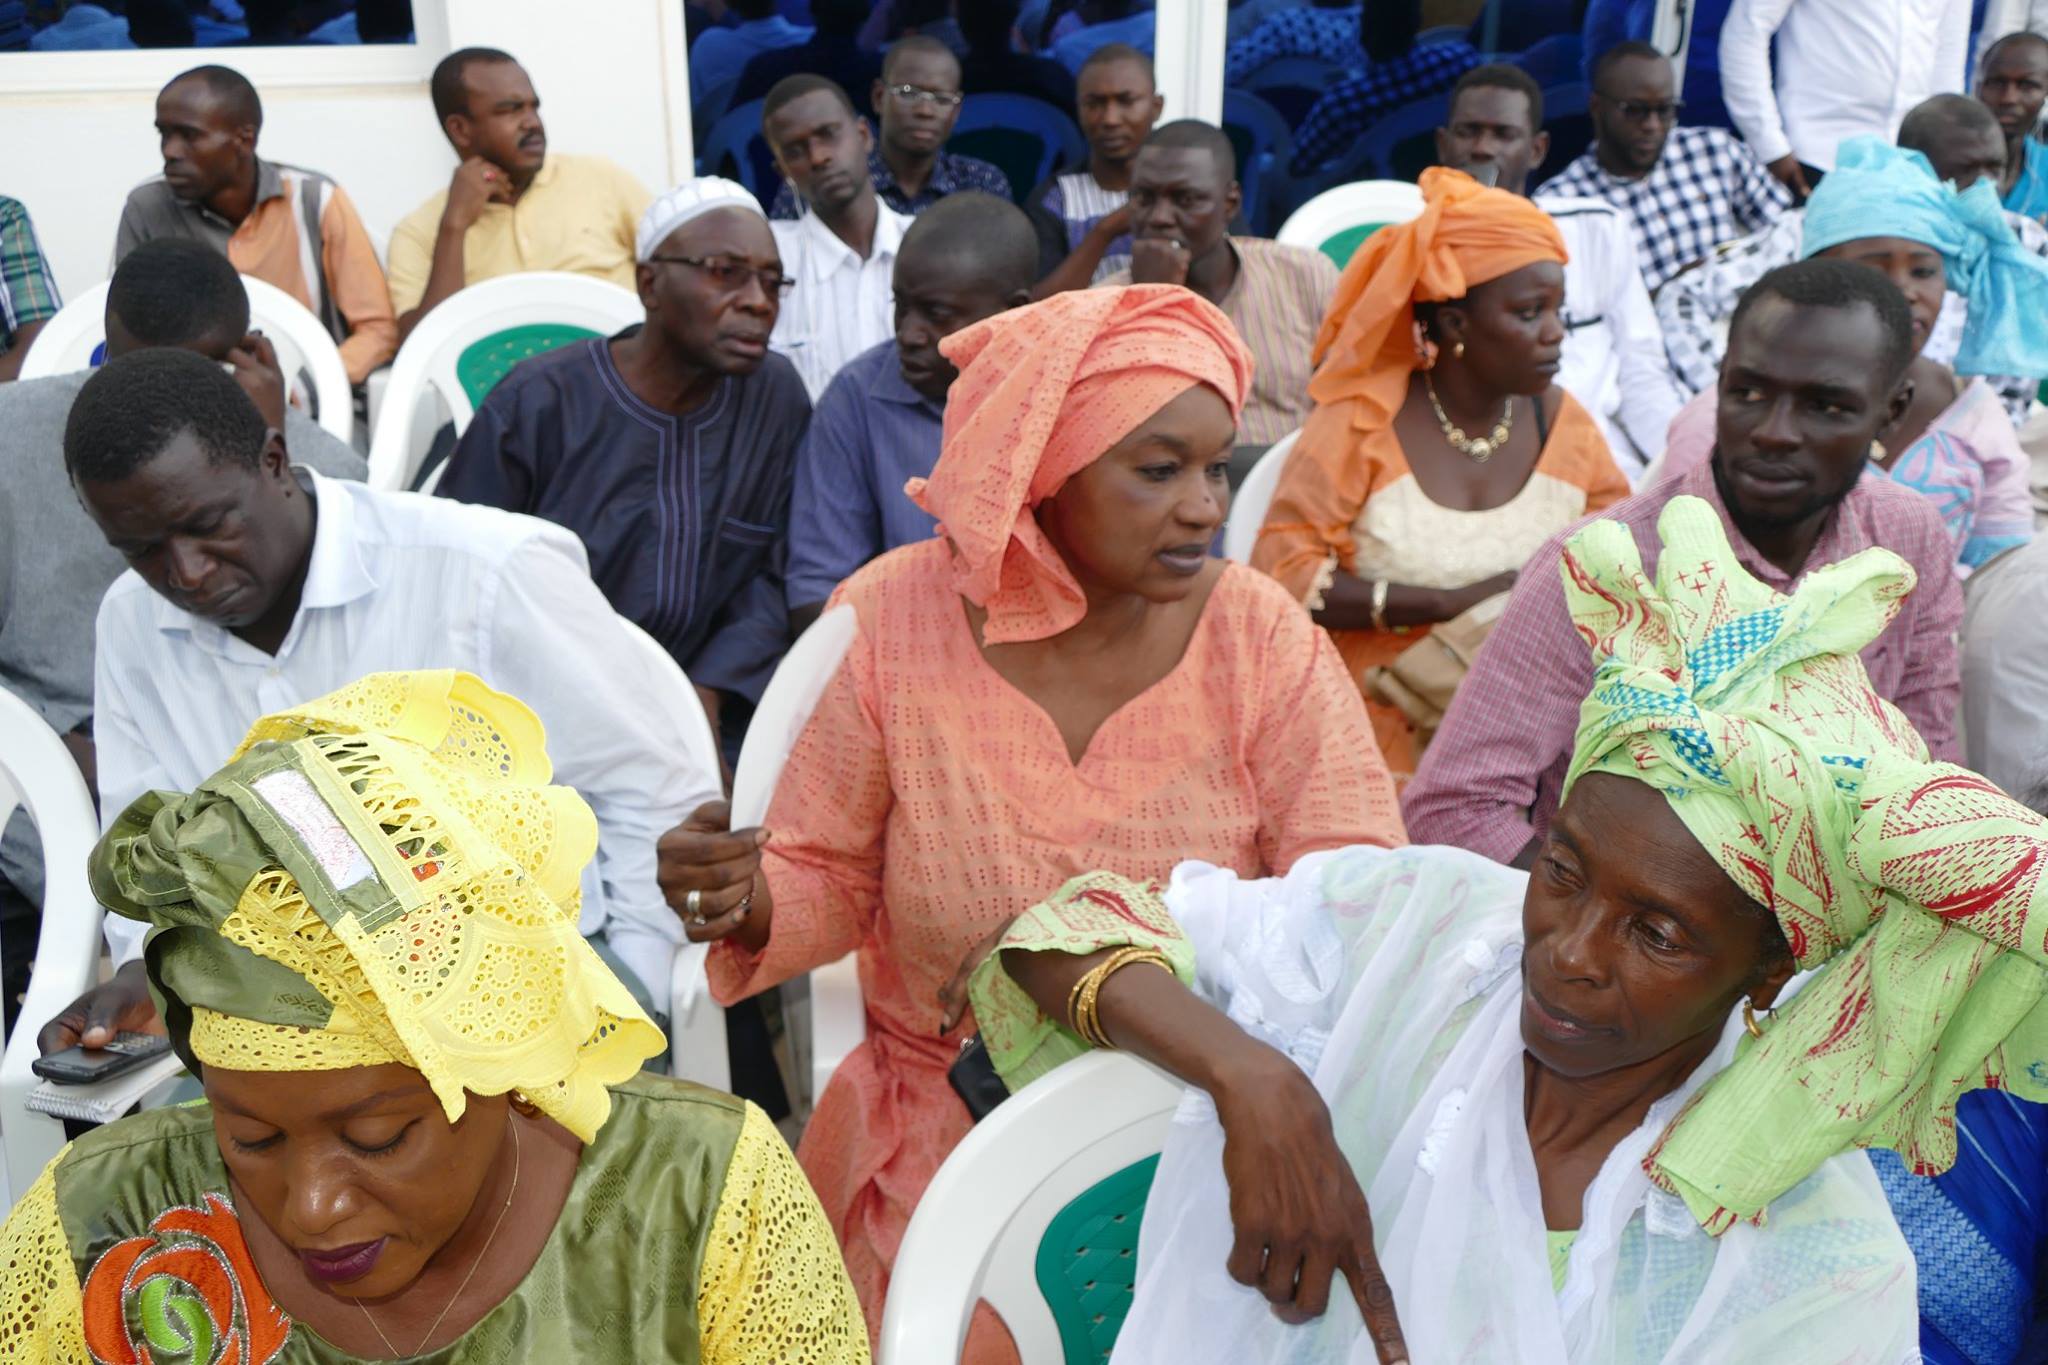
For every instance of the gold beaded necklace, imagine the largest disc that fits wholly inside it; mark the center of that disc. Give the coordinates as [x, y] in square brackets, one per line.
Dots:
[1479, 449]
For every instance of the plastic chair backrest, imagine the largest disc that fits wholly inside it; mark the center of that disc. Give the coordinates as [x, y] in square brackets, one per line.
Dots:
[37, 773]
[838, 1019]
[1248, 505]
[469, 341]
[1352, 211]
[1554, 61]
[1040, 1199]
[1027, 138]
[1303, 73]
[738, 151]
[1570, 125]
[1264, 143]
[72, 340]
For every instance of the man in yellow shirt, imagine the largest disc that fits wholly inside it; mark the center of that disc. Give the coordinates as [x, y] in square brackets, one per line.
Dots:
[510, 206]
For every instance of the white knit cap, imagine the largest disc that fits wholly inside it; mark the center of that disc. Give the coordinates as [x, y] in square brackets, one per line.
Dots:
[691, 199]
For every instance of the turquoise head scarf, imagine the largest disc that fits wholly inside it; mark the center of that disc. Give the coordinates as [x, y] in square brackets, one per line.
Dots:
[1878, 190]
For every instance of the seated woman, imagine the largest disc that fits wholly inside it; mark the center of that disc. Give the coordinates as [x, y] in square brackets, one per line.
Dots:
[1572, 1145]
[1954, 443]
[1439, 455]
[1064, 679]
[364, 944]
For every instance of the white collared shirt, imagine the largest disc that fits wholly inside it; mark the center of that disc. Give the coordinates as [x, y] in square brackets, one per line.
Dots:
[1844, 67]
[842, 305]
[1613, 359]
[406, 581]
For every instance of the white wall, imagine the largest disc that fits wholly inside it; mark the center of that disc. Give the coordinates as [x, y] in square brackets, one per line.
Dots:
[76, 134]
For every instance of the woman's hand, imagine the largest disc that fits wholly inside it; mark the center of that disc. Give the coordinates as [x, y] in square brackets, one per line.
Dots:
[1295, 1205]
[1458, 601]
[711, 876]
[953, 995]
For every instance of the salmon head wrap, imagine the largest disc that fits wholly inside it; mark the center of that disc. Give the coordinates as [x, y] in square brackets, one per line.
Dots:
[1467, 234]
[1043, 392]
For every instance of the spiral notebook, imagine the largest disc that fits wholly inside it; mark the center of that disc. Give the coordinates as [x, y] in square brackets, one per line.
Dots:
[103, 1101]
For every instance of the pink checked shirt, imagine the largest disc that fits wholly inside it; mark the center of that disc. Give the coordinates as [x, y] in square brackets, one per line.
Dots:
[1490, 780]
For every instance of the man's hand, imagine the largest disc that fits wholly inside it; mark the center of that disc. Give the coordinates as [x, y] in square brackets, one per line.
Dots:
[255, 364]
[1114, 226]
[1159, 260]
[122, 1005]
[476, 183]
[1787, 171]
[1296, 1209]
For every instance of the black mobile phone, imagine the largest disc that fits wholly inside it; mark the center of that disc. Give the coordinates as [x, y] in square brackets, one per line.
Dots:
[83, 1066]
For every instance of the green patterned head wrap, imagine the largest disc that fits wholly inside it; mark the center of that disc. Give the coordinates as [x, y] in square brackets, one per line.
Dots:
[1918, 883]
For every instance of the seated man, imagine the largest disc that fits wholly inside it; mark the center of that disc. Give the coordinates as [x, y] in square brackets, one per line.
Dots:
[667, 448]
[1613, 353]
[253, 589]
[833, 52]
[917, 98]
[54, 568]
[1400, 68]
[1816, 360]
[839, 257]
[510, 206]
[1960, 139]
[2012, 80]
[215, 189]
[1084, 226]
[28, 291]
[879, 423]
[1184, 194]
[1686, 190]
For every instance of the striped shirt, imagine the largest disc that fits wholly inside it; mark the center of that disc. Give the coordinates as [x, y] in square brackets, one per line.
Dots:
[1491, 780]
[1277, 305]
[28, 291]
[303, 236]
[1065, 209]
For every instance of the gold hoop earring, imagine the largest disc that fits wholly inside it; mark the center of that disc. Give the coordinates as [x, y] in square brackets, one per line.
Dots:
[1749, 1020]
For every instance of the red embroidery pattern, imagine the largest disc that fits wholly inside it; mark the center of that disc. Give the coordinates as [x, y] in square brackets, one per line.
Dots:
[185, 1290]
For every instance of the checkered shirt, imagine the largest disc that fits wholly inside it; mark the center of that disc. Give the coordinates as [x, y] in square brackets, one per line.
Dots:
[1330, 34]
[28, 291]
[1350, 107]
[1707, 188]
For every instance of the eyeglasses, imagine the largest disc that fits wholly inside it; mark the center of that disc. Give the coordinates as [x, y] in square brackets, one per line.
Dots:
[1635, 111]
[917, 94]
[730, 274]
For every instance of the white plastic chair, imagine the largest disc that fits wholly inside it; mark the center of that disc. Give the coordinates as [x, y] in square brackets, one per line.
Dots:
[37, 772]
[68, 340]
[1056, 1168]
[838, 1018]
[1249, 503]
[696, 1025]
[469, 342]
[1340, 210]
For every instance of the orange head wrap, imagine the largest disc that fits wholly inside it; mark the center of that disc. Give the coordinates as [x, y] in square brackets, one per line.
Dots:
[1467, 234]
[1043, 392]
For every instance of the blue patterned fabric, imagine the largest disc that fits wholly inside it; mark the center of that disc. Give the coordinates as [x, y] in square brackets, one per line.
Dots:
[1977, 1232]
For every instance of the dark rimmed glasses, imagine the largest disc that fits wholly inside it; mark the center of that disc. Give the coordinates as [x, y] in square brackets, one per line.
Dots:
[730, 274]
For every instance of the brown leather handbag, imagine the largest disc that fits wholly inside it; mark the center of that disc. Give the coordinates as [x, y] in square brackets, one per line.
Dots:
[1423, 678]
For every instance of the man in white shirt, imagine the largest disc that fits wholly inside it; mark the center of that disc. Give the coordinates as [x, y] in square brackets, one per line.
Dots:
[1843, 67]
[842, 251]
[252, 588]
[1613, 359]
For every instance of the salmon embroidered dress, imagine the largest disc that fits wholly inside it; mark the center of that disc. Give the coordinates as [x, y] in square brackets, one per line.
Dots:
[929, 801]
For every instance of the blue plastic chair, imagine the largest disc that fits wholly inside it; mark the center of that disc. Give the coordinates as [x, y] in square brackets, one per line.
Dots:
[1292, 85]
[737, 150]
[1554, 61]
[1026, 138]
[1517, 25]
[1569, 125]
[1264, 145]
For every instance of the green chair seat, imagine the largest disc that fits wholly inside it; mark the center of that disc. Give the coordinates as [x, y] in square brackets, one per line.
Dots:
[483, 363]
[1339, 246]
[1088, 1261]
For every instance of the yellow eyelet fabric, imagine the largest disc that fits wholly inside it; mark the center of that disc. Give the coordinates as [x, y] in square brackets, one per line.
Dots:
[40, 1317]
[472, 969]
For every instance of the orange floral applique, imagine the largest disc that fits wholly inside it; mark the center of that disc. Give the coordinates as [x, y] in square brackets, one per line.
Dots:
[186, 1290]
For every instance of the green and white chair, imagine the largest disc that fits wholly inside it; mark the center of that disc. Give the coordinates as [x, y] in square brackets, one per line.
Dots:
[1037, 1211]
[1338, 219]
[1248, 505]
[467, 344]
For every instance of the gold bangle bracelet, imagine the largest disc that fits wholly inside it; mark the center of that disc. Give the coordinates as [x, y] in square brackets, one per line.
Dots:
[1084, 1013]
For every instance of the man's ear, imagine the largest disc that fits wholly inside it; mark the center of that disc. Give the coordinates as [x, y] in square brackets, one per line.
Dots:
[1539, 150]
[275, 461]
[457, 129]
[1233, 200]
[1895, 409]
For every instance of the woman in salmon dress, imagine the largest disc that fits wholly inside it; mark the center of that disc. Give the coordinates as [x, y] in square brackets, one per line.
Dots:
[1063, 679]
[1439, 456]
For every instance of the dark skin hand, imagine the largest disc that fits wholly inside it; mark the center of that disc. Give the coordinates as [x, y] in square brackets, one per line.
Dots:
[17, 350]
[122, 1005]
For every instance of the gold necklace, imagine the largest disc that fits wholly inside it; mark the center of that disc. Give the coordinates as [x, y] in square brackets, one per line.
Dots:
[1479, 449]
[397, 1354]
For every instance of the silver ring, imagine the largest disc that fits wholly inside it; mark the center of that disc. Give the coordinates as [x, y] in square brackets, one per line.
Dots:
[693, 906]
[739, 912]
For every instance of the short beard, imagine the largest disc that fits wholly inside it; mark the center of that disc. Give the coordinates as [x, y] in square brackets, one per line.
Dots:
[1816, 504]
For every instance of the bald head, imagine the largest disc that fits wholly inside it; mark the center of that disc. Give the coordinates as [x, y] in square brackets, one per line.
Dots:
[1959, 136]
